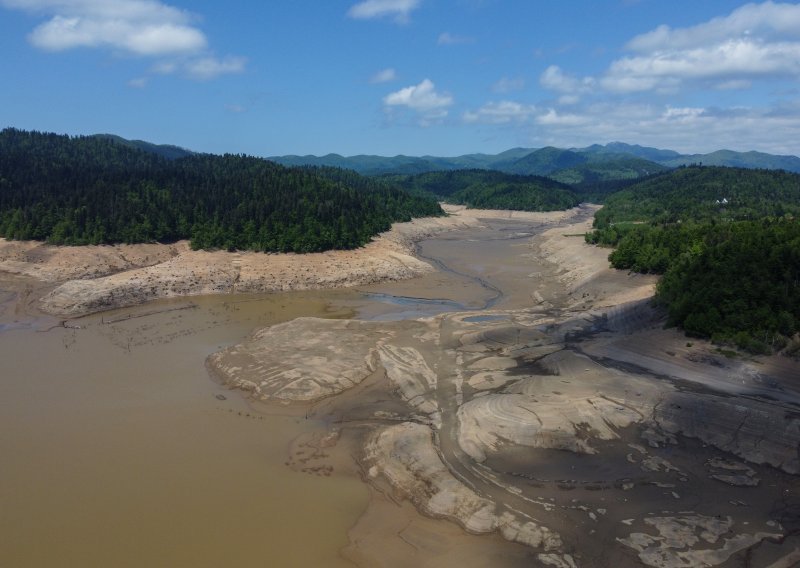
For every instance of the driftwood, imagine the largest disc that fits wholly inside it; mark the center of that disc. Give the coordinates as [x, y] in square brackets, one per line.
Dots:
[146, 314]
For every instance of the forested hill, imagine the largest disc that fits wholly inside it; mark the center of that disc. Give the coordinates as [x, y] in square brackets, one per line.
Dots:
[705, 193]
[92, 190]
[728, 243]
[487, 189]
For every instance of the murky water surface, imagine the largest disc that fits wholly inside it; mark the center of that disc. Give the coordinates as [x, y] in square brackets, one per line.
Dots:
[118, 450]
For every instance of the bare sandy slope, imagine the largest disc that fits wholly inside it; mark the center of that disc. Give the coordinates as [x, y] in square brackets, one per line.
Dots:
[94, 278]
[584, 271]
[56, 264]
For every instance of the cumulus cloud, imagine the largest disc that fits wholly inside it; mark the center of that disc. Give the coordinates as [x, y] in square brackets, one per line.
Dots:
[446, 38]
[552, 117]
[754, 41]
[508, 84]
[399, 10]
[503, 112]
[384, 76]
[555, 79]
[141, 27]
[773, 130]
[144, 28]
[767, 20]
[423, 99]
[205, 68]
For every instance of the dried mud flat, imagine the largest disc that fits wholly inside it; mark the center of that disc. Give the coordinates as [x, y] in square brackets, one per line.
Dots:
[94, 278]
[576, 430]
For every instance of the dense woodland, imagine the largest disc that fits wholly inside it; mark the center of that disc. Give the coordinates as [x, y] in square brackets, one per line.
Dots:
[704, 193]
[728, 244]
[92, 190]
[488, 189]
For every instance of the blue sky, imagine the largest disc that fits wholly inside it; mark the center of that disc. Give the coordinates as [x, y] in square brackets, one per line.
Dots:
[415, 77]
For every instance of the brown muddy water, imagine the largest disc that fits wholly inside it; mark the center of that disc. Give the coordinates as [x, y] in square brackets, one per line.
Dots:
[118, 450]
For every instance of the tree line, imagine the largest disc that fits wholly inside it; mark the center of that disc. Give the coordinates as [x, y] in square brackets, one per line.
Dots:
[488, 189]
[727, 242]
[93, 190]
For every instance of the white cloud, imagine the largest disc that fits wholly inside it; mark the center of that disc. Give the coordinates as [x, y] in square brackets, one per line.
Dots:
[141, 27]
[508, 84]
[209, 67]
[62, 33]
[554, 118]
[384, 76]
[675, 127]
[754, 41]
[767, 20]
[568, 99]
[144, 28]
[446, 38]
[371, 9]
[164, 67]
[422, 99]
[138, 83]
[554, 79]
[503, 112]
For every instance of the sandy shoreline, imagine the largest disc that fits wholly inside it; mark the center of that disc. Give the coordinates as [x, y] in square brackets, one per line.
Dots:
[94, 278]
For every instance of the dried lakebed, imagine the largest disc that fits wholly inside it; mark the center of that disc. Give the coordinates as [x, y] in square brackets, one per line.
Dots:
[549, 426]
[560, 427]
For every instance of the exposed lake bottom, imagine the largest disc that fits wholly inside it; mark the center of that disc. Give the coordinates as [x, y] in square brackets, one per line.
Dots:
[525, 401]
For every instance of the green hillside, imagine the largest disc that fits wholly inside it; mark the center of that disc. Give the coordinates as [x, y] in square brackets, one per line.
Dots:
[168, 151]
[544, 161]
[704, 193]
[727, 241]
[607, 167]
[488, 189]
[739, 160]
[94, 190]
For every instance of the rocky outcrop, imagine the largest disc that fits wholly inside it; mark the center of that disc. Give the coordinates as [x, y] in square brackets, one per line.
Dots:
[692, 540]
[755, 431]
[406, 457]
[552, 421]
[305, 359]
[415, 381]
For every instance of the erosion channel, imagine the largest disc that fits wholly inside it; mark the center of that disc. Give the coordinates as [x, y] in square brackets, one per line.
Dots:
[521, 405]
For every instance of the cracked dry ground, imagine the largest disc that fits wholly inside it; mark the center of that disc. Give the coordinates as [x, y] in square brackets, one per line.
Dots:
[507, 426]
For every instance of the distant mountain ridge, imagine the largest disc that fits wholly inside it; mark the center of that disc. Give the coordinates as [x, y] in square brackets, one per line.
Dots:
[589, 163]
[612, 161]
